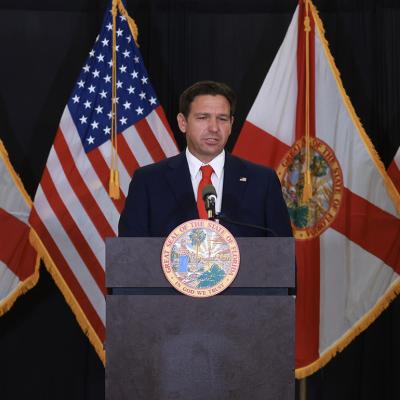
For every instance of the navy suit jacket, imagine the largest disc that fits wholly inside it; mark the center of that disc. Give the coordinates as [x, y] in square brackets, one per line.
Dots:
[161, 197]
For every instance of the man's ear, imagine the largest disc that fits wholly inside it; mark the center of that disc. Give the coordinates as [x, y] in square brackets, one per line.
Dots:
[181, 122]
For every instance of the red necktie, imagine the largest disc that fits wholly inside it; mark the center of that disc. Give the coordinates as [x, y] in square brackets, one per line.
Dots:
[206, 171]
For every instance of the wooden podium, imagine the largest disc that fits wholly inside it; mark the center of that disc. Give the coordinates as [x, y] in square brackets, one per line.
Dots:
[163, 345]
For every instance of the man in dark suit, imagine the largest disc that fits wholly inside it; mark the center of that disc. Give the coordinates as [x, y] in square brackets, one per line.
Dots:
[163, 195]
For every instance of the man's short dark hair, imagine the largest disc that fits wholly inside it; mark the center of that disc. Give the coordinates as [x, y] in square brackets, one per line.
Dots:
[206, 88]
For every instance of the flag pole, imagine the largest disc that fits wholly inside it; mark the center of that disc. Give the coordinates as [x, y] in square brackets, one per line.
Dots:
[114, 191]
[303, 389]
[307, 189]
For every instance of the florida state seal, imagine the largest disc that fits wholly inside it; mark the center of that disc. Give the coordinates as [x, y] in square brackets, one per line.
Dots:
[200, 258]
[310, 218]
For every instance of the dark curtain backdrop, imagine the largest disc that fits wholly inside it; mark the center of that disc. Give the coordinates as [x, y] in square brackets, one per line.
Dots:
[43, 353]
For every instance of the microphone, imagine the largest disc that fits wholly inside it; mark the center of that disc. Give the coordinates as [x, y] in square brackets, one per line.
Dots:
[209, 195]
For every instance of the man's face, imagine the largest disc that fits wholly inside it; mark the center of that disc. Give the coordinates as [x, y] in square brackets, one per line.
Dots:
[207, 126]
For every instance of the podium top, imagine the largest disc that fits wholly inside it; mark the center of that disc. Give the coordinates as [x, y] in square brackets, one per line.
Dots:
[265, 262]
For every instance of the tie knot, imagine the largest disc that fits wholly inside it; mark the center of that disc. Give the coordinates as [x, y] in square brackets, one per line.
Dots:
[206, 171]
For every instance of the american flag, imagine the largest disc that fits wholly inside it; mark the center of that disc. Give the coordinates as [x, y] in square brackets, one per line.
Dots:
[73, 212]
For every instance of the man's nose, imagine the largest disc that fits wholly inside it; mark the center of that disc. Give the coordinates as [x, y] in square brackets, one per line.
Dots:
[213, 125]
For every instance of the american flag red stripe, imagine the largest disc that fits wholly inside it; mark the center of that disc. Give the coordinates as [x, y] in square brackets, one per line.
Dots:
[103, 172]
[137, 147]
[163, 123]
[147, 136]
[126, 155]
[80, 188]
[72, 229]
[161, 131]
[73, 212]
[67, 207]
[71, 282]
[92, 168]
[65, 255]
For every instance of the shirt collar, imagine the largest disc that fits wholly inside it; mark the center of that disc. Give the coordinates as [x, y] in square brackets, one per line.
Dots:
[194, 163]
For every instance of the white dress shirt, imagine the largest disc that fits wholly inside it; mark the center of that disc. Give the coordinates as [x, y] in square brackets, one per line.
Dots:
[217, 177]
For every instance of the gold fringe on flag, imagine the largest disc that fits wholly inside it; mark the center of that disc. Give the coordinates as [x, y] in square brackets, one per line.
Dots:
[348, 337]
[69, 297]
[23, 286]
[131, 22]
[13, 174]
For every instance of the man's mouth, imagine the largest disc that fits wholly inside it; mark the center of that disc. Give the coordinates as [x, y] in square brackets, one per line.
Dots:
[211, 140]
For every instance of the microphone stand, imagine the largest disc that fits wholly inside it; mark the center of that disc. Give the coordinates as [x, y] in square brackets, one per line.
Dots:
[224, 218]
[210, 196]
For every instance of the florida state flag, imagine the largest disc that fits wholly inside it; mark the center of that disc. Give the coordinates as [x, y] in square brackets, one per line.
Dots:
[19, 262]
[343, 206]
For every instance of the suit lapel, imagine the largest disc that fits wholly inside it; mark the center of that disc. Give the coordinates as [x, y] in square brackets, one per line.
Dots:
[178, 176]
[235, 185]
